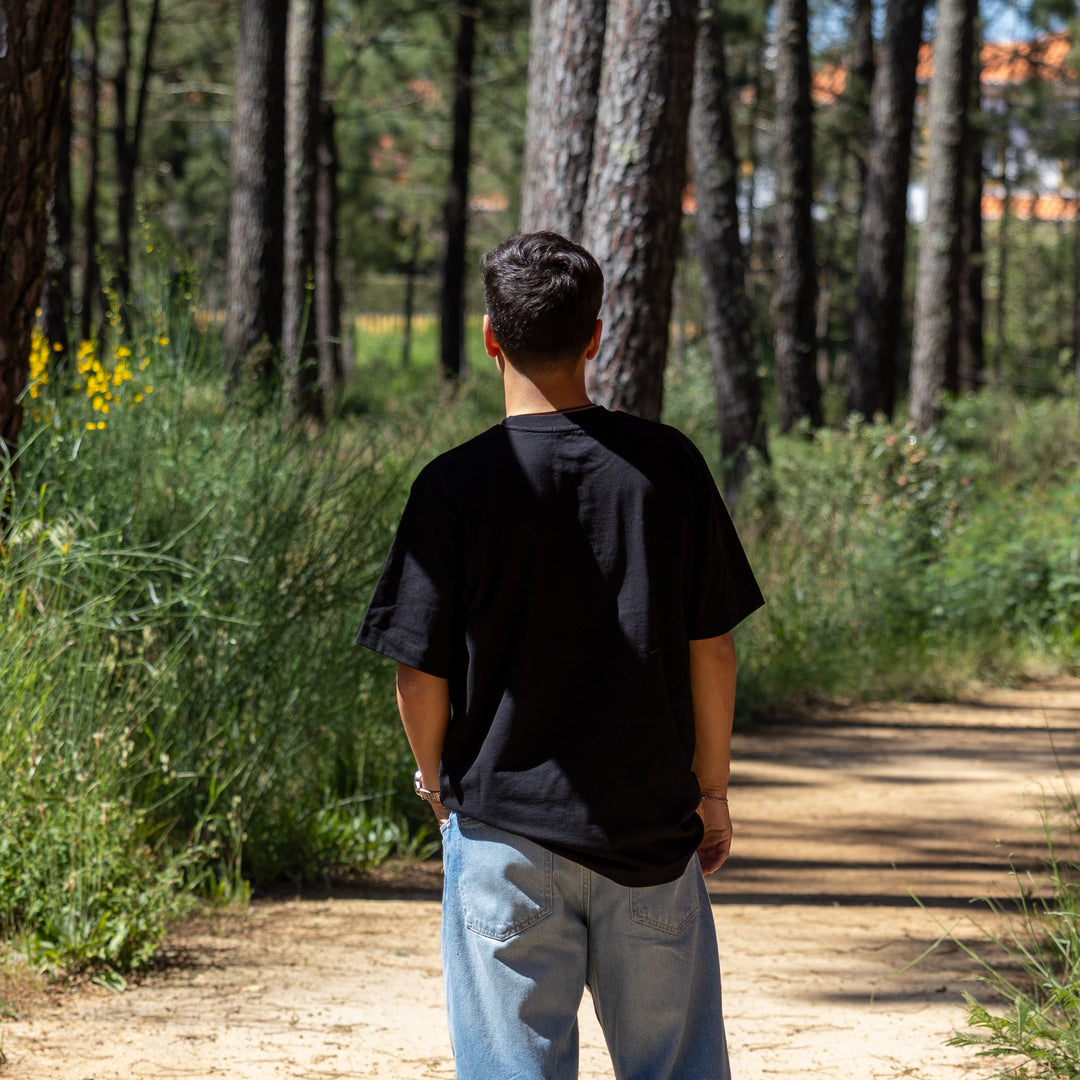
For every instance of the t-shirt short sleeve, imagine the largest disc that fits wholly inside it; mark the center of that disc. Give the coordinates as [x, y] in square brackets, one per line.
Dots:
[722, 590]
[412, 611]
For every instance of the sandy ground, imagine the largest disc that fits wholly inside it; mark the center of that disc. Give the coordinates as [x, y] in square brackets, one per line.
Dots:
[840, 821]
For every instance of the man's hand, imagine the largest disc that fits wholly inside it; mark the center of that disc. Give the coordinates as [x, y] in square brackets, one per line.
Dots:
[715, 845]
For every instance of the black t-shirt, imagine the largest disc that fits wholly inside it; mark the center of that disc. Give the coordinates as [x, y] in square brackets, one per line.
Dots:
[553, 569]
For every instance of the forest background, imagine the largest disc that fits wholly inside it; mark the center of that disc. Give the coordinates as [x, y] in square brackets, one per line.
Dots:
[239, 310]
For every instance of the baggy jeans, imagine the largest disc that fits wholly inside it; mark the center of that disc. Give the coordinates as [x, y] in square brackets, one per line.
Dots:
[524, 931]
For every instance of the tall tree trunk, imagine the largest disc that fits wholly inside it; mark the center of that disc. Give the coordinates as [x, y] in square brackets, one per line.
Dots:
[971, 349]
[720, 253]
[303, 393]
[1003, 251]
[634, 209]
[256, 251]
[88, 263]
[883, 222]
[936, 327]
[327, 285]
[566, 50]
[795, 295]
[410, 295]
[36, 35]
[452, 298]
[128, 139]
[860, 87]
[56, 301]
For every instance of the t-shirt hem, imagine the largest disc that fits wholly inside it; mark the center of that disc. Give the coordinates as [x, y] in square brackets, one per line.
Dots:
[401, 651]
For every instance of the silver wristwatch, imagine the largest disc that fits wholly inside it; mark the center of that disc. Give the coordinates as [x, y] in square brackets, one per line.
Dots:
[425, 793]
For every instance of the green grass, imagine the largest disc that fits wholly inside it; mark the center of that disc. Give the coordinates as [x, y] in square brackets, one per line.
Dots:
[185, 713]
[1026, 1018]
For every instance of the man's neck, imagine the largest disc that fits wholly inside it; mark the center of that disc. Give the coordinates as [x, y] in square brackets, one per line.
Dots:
[552, 393]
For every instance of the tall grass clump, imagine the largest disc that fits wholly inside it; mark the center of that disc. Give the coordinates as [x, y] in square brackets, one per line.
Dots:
[183, 707]
[1032, 1023]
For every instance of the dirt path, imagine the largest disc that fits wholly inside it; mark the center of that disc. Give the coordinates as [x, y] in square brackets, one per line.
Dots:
[838, 821]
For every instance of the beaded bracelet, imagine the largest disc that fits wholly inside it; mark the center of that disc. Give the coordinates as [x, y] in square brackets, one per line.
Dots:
[714, 798]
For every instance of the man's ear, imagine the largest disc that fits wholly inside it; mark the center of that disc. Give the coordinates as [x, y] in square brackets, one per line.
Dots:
[491, 346]
[594, 341]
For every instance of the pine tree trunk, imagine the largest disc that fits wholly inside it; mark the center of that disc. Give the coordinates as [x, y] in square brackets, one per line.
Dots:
[128, 139]
[33, 63]
[883, 222]
[256, 252]
[303, 393]
[860, 88]
[720, 254]
[327, 285]
[1003, 265]
[936, 323]
[633, 212]
[452, 298]
[566, 49]
[56, 301]
[795, 295]
[972, 353]
[88, 263]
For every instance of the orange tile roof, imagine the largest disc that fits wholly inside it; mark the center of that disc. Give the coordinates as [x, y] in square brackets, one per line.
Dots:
[1013, 62]
[1027, 205]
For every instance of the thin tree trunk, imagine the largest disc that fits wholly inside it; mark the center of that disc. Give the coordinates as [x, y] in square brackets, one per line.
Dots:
[728, 324]
[256, 251]
[452, 299]
[634, 209]
[860, 88]
[883, 222]
[303, 393]
[972, 357]
[795, 295]
[1002, 266]
[327, 284]
[36, 35]
[936, 326]
[89, 269]
[128, 141]
[566, 50]
[56, 301]
[410, 295]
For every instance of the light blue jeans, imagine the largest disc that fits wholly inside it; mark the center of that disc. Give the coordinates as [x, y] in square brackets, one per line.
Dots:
[524, 931]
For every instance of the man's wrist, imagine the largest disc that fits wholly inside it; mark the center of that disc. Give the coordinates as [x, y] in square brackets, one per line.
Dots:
[430, 795]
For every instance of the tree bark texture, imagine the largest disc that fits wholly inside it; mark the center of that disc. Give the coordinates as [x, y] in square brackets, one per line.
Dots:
[128, 138]
[452, 297]
[883, 222]
[860, 86]
[634, 207]
[88, 261]
[972, 352]
[937, 292]
[795, 291]
[327, 285]
[56, 301]
[256, 252]
[720, 254]
[35, 41]
[565, 54]
[303, 395]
